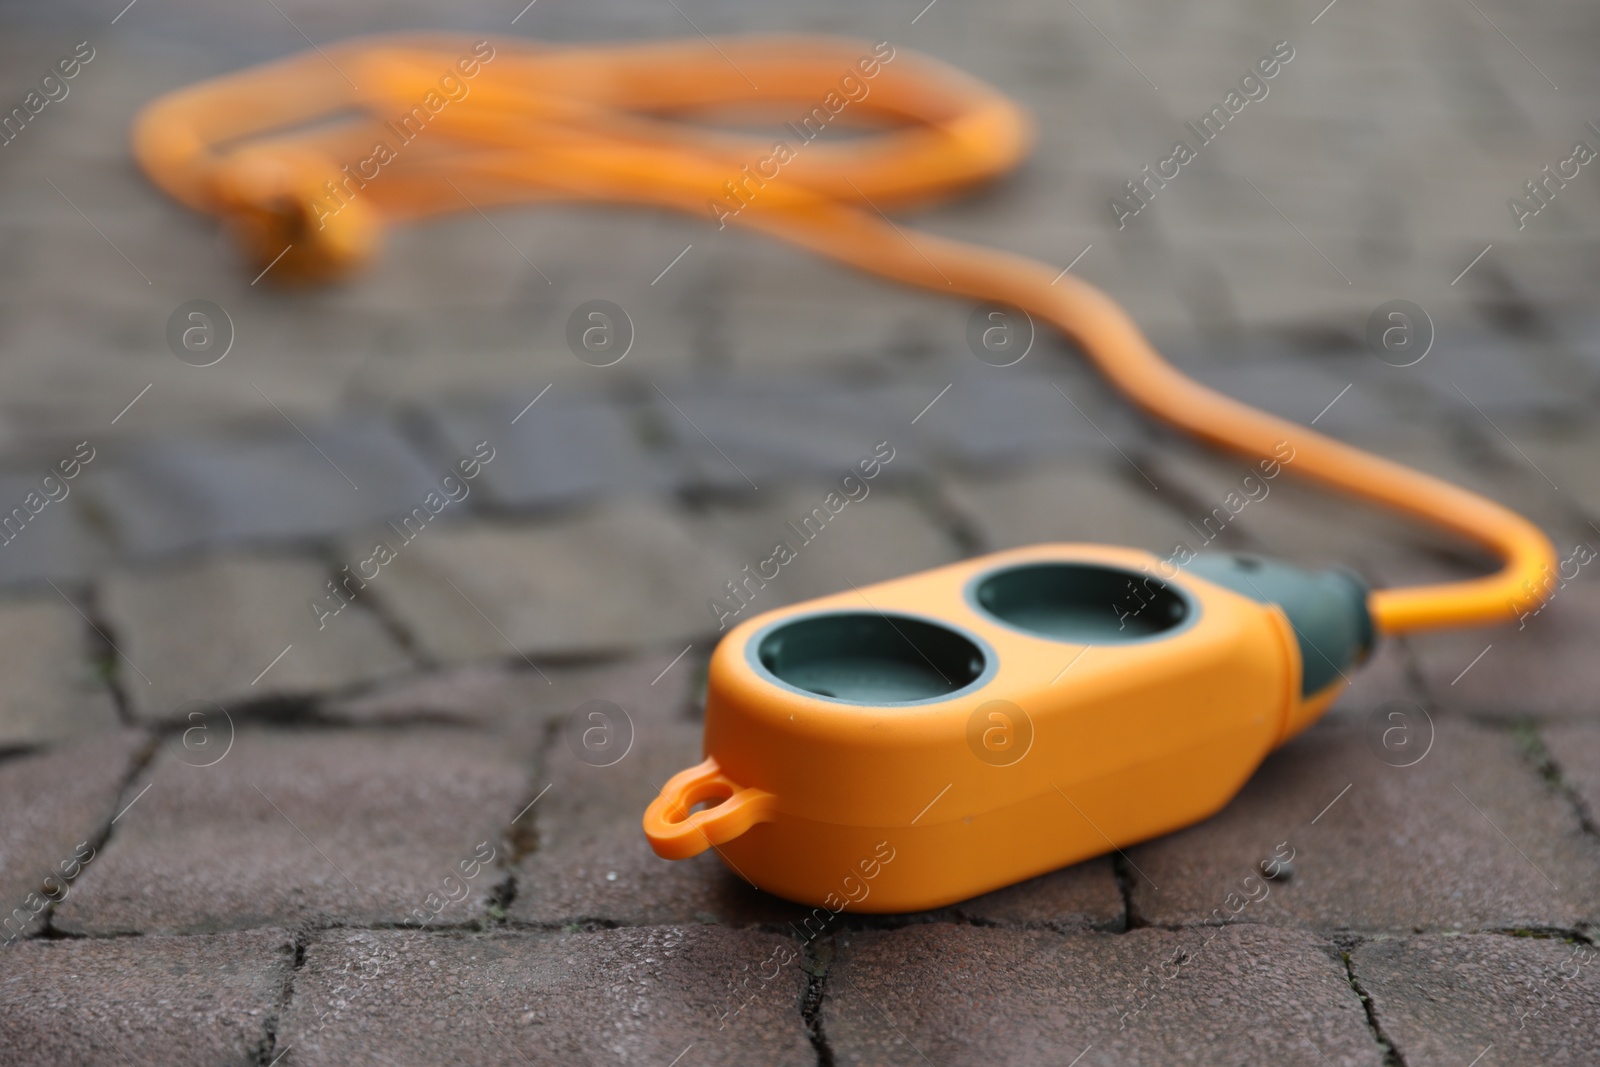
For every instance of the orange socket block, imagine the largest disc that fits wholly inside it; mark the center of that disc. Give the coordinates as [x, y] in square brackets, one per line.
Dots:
[934, 737]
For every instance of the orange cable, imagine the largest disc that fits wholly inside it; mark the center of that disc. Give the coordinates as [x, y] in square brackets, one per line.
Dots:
[287, 154]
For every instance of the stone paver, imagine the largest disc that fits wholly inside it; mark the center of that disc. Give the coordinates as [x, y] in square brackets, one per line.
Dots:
[962, 995]
[56, 806]
[1466, 367]
[1302, 385]
[785, 310]
[735, 433]
[173, 495]
[52, 689]
[615, 576]
[639, 996]
[1566, 456]
[360, 827]
[879, 536]
[1469, 837]
[482, 693]
[1095, 500]
[59, 543]
[1289, 517]
[1551, 646]
[206, 631]
[1575, 748]
[566, 447]
[176, 1000]
[1511, 1000]
[992, 417]
[1388, 675]
[592, 861]
[1084, 895]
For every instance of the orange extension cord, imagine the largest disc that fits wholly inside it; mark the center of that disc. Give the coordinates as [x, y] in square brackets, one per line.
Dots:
[507, 122]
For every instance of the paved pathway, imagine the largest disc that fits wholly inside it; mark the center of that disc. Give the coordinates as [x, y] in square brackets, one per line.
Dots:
[287, 817]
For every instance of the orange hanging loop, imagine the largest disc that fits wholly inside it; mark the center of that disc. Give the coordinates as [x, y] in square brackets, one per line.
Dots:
[676, 831]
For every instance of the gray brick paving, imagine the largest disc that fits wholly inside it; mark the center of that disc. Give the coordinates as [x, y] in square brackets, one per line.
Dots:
[881, 535]
[608, 996]
[1546, 640]
[1100, 501]
[962, 995]
[592, 862]
[211, 631]
[1289, 518]
[1575, 748]
[57, 805]
[561, 449]
[64, 542]
[54, 691]
[178, 1000]
[419, 720]
[616, 575]
[171, 496]
[1466, 838]
[1520, 1000]
[480, 693]
[305, 826]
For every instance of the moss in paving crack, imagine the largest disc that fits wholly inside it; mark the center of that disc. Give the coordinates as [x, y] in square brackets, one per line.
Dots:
[1533, 748]
[267, 1048]
[817, 960]
[500, 898]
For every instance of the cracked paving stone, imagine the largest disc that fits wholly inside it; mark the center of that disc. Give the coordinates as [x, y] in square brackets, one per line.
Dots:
[204, 631]
[592, 860]
[635, 996]
[53, 691]
[1446, 1001]
[963, 995]
[169, 1000]
[1403, 848]
[54, 802]
[1575, 749]
[288, 827]
[615, 576]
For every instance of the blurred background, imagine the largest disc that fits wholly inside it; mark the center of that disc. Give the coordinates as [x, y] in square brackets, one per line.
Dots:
[1378, 167]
